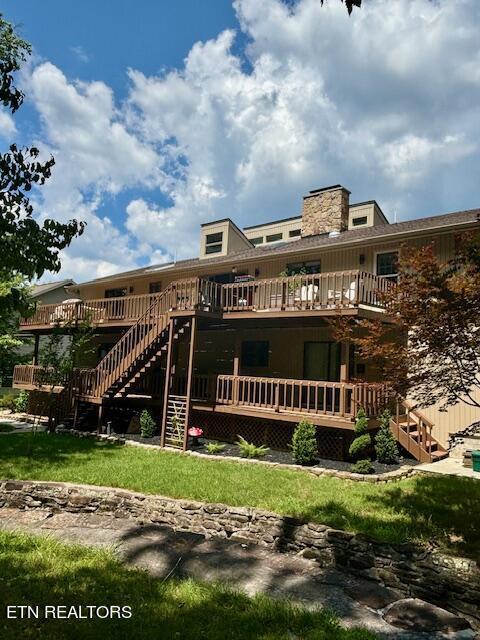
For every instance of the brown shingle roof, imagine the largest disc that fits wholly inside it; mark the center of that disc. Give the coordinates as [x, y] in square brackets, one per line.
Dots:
[41, 289]
[367, 234]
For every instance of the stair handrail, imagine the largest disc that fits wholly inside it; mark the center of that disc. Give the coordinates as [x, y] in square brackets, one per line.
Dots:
[416, 412]
[424, 424]
[145, 329]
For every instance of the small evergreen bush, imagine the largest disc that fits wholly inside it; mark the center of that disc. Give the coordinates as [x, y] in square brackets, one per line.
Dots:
[8, 401]
[250, 450]
[214, 447]
[147, 424]
[21, 402]
[385, 444]
[304, 443]
[363, 466]
[359, 445]
[363, 439]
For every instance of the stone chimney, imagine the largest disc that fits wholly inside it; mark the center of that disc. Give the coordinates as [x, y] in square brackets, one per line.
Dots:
[325, 210]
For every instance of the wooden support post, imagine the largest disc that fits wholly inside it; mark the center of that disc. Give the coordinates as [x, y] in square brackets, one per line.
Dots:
[75, 415]
[344, 361]
[99, 423]
[168, 373]
[35, 349]
[236, 367]
[193, 334]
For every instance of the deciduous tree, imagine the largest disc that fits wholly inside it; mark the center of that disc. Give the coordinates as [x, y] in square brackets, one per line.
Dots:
[29, 248]
[430, 348]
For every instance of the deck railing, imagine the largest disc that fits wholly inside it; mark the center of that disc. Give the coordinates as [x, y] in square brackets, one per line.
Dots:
[33, 375]
[340, 399]
[182, 295]
[46, 377]
[338, 289]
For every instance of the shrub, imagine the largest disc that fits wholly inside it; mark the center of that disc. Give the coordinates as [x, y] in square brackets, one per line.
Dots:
[385, 444]
[8, 401]
[21, 402]
[214, 447]
[362, 466]
[358, 446]
[304, 443]
[147, 424]
[363, 440]
[250, 450]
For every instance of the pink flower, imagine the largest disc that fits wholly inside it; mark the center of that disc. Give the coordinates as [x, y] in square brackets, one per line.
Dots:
[195, 432]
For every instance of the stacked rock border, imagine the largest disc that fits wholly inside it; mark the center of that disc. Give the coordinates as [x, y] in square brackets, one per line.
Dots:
[451, 582]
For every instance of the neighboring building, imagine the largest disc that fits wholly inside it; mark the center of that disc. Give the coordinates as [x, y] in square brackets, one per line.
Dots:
[225, 342]
[50, 293]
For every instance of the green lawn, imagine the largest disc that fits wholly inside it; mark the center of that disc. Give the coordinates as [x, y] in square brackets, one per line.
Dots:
[426, 508]
[6, 427]
[42, 571]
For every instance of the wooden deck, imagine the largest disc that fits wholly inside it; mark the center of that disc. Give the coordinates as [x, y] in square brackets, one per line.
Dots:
[347, 292]
[325, 404]
[333, 404]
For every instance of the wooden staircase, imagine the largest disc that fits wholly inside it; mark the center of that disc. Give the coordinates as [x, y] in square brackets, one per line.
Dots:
[138, 348]
[152, 360]
[413, 430]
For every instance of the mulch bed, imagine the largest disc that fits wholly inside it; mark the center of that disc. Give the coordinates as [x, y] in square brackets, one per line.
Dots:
[278, 457]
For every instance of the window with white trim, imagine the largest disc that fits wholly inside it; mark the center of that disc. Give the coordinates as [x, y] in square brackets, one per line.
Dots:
[213, 242]
[387, 265]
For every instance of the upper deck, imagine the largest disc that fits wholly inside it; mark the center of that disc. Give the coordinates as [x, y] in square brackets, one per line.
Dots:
[348, 292]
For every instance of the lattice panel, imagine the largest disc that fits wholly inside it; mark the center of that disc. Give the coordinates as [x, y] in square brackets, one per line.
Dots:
[217, 426]
[332, 443]
[175, 427]
[39, 403]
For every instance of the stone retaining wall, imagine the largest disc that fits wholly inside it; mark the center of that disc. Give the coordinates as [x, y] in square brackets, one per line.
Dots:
[452, 582]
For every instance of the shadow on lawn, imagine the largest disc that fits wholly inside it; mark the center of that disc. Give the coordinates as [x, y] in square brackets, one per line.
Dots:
[441, 511]
[51, 448]
[45, 572]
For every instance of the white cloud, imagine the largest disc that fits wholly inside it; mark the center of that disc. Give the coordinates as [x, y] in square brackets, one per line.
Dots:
[96, 157]
[7, 125]
[80, 53]
[384, 101]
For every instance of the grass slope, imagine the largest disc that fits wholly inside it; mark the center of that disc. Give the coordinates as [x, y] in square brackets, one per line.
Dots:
[42, 571]
[424, 508]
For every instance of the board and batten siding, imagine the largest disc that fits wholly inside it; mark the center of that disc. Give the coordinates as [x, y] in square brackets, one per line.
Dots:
[455, 419]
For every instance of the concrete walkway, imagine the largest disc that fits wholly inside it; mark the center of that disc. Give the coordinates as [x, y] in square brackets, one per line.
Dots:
[163, 551]
[451, 467]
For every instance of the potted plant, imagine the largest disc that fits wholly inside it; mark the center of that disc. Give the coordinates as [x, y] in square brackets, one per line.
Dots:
[195, 433]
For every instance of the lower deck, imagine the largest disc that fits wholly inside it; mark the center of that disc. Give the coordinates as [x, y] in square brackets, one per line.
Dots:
[281, 373]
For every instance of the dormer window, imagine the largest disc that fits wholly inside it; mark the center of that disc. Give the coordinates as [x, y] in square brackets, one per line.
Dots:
[359, 221]
[274, 237]
[213, 242]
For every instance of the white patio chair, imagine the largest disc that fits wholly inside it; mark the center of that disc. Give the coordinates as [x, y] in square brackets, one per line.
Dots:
[308, 293]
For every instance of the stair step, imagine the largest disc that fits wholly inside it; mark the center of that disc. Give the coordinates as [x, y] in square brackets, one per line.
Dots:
[417, 436]
[405, 420]
[439, 454]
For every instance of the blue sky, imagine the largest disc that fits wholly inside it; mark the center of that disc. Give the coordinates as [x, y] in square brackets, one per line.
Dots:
[162, 115]
[94, 40]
